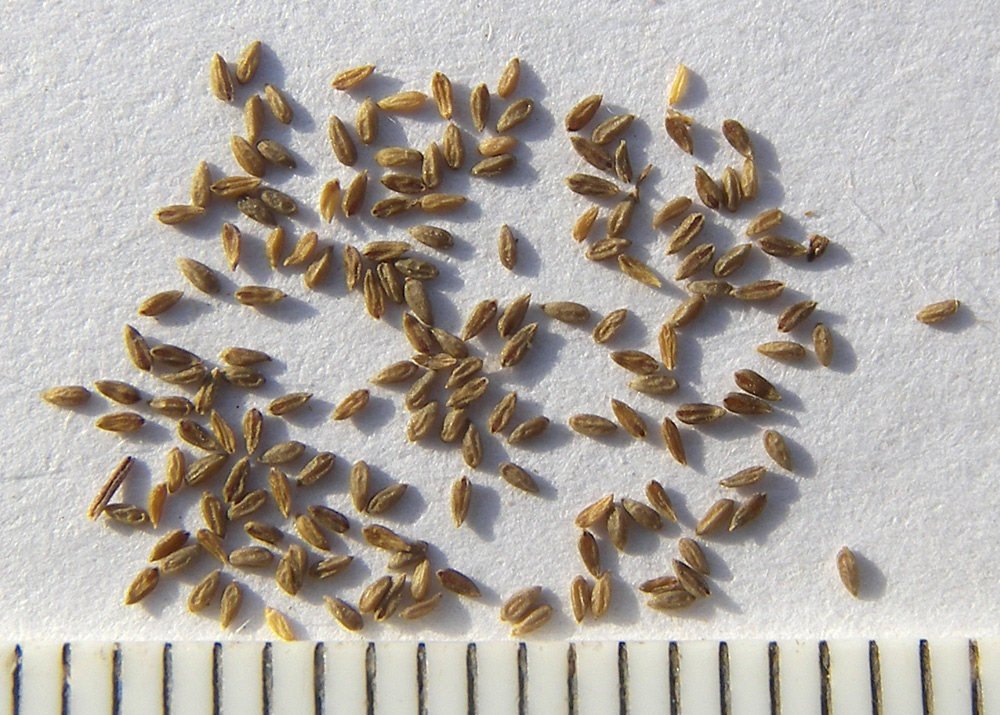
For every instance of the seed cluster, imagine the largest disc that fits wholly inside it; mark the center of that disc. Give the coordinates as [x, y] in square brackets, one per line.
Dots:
[242, 474]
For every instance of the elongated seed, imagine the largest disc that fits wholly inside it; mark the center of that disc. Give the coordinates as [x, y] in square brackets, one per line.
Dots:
[782, 350]
[794, 314]
[759, 290]
[744, 477]
[749, 179]
[609, 325]
[732, 260]
[823, 344]
[741, 403]
[514, 350]
[279, 202]
[589, 185]
[403, 102]
[698, 258]
[580, 597]
[243, 357]
[610, 129]
[457, 582]
[221, 79]
[513, 316]
[516, 113]
[600, 597]
[690, 580]
[520, 604]
[502, 413]
[936, 312]
[774, 445]
[642, 515]
[143, 584]
[282, 453]
[708, 191]
[629, 419]
[275, 153]
[781, 247]
[639, 271]
[755, 384]
[718, 515]
[582, 226]
[672, 209]
[592, 425]
[607, 248]
[581, 114]
[847, 567]
[636, 361]
[678, 84]
[351, 77]
[354, 195]
[595, 513]
[517, 477]
[528, 430]
[235, 187]
[687, 311]
[693, 556]
[748, 511]
[658, 384]
[592, 153]
[685, 232]
[658, 497]
[699, 413]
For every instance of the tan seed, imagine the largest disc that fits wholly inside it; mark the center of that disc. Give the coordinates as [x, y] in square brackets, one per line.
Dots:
[278, 624]
[442, 93]
[781, 247]
[382, 537]
[699, 413]
[461, 497]
[175, 470]
[639, 271]
[685, 233]
[622, 163]
[126, 514]
[774, 445]
[202, 469]
[207, 540]
[507, 248]
[235, 484]
[385, 499]
[263, 532]
[248, 504]
[517, 477]
[251, 557]
[718, 515]
[203, 592]
[710, 288]
[168, 544]
[302, 252]
[288, 403]
[759, 290]
[275, 153]
[610, 129]
[220, 78]
[690, 580]
[730, 183]
[514, 350]
[422, 421]
[452, 148]
[782, 350]
[494, 165]
[764, 222]
[847, 567]
[520, 604]
[693, 556]
[366, 122]
[658, 497]
[737, 137]
[589, 185]
[319, 269]
[258, 296]
[744, 477]
[516, 113]
[748, 511]
[672, 209]
[595, 513]
[600, 597]
[662, 584]
[232, 597]
[234, 187]
[173, 355]
[120, 422]
[432, 168]
[537, 618]
[667, 341]
[278, 104]
[143, 584]
[658, 384]
[66, 396]
[496, 146]
[678, 131]
[749, 179]
[178, 213]
[315, 469]
[159, 303]
[755, 384]
[213, 514]
[609, 325]
[194, 375]
[513, 316]
[283, 452]
[579, 597]
[581, 114]
[343, 613]
[329, 198]
[566, 312]
[698, 258]
[358, 485]
[592, 425]
[120, 392]
[350, 78]
[351, 405]
[936, 312]
[390, 603]
[374, 296]
[618, 527]
[395, 373]
[137, 349]
[502, 413]
[823, 344]
[732, 260]
[592, 153]
[794, 314]
[629, 419]
[472, 447]
[374, 594]
[741, 403]
[354, 196]
[182, 557]
[636, 361]
[403, 102]
[582, 226]
[110, 486]
[687, 311]
[279, 202]
[528, 429]
[708, 191]
[642, 515]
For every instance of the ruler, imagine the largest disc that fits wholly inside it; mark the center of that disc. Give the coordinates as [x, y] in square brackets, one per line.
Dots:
[902, 677]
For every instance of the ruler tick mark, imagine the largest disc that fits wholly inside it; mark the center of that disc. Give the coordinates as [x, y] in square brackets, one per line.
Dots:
[168, 677]
[725, 691]
[266, 678]
[875, 676]
[522, 679]
[622, 678]
[774, 677]
[65, 678]
[370, 679]
[976, 677]
[571, 678]
[421, 679]
[319, 678]
[926, 681]
[471, 677]
[116, 679]
[673, 677]
[825, 697]
[216, 678]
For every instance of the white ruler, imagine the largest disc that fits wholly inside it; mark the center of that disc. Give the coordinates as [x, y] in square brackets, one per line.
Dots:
[939, 677]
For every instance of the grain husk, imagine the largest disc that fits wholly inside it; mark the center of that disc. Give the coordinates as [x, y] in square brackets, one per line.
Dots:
[592, 425]
[638, 271]
[685, 232]
[583, 224]
[718, 515]
[672, 209]
[847, 567]
[782, 350]
[352, 77]
[517, 477]
[595, 513]
[502, 413]
[658, 497]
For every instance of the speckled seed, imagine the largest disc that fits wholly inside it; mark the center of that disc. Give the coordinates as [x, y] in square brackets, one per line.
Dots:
[718, 515]
[685, 232]
[936, 312]
[782, 350]
[774, 445]
[847, 567]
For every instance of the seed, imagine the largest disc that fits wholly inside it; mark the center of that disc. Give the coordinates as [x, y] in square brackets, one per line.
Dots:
[330, 566]
[516, 113]
[741, 403]
[194, 375]
[319, 269]
[382, 537]
[309, 532]
[794, 314]
[658, 497]
[367, 121]
[749, 180]
[609, 129]
[513, 315]
[719, 514]
[120, 422]
[667, 341]
[256, 210]
[213, 514]
[173, 355]
[782, 350]
[686, 312]
[672, 209]
[251, 557]
[231, 239]
[246, 156]
[708, 191]
[278, 624]
[643, 515]
[600, 597]
[422, 421]
[690, 580]
[738, 138]
[629, 419]
[403, 183]
[442, 94]
[288, 576]
[502, 413]
[533, 621]
[461, 496]
[419, 336]
[288, 403]
[592, 425]
[685, 233]
[204, 468]
[203, 592]
[374, 594]
[581, 114]
[759, 290]
[231, 599]
[817, 246]
[159, 303]
[609, 325]
[595, 513]
[755, 384]
[636, 361]
[847, 567]
[248, 504]
[168, 544]
[472, 447]
[528, 430]
[517, 477]
[582, 226]
[748, 511]
[678, 131]
[180, 558]
[110, 486]
[220, 78]
[395, 373]
[437, 203]
[451, 147]
[343, 613]
[457, 582]
[351, 77]
[351, 405]
[744, 477]
[567, 312]
[407, 101]
[514, 350]
[207, 540]
[496, 146]
[637, 270]
[764, 221]
[699, 413]
[654, 384]
[263, 532]
[693, 556]
[66, 396]
[120, 392]
[315, 469]
[618, 527]
[386, 208]
[137, 349]
[710, 288]
[698, 258]
[468, 393]
[678, 85]
[520, 604]
[662, 584]
[621, 217]
[732, 260]
[823, 344]
[774, 445]
[257, 296]
[494, 165]
[589, 185]
[579, 597]
[278, 104]
[143, 584]
[253, 125]
[279, 202]
[623, 165]
[936, 312]
[593, 153]
[730, 183]
[385, 499]
[282, 453]
[781, 247]
[273, 152]
[174, 470]
[354, 196]
[432, 167]
[126, 514]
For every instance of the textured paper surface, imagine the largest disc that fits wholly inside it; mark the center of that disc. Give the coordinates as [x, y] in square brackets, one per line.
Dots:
[880, 122]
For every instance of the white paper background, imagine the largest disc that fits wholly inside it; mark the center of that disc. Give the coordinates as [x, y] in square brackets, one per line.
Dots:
[879, 120]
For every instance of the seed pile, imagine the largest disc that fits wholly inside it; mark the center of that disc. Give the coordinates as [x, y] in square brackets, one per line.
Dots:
[277, 491]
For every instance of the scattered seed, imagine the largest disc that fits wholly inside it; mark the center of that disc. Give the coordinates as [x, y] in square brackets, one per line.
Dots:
[457, 582]
[278, 104]
[120, 422]
[748, 511]
[213, 514]
[514, 350]
[672, 209]
[755, 384]
[781, 247]
[636, 361]
[143, 584]
[658, 497]
[516, 113]
[618, 527]
[221, 79]
[698, 258]
[231, 600]
[472, 447]
[406, 101]
[437, 203]
[194, 375]
[759, 290]
[137, 349]
[690, 580]
[657, 384]
[207, 540]
[582, 226]
[517, 477]
[595, 513]
[537, 618]
[330, 566]
[782, 350]
[667, 341]
[589, 185]
[395, 373]
[741, 403]
[168, 544]
[621, 217]
[494, 165]
[794, 314]
[629, 419]
[422, 421]
[699, 413]
[936, 312]
[693, 556]
[66, 396]
[643, 515]
[678, 131]
[686, 312]
[452, 148]
[719, 514]
[817, 246]
[528, 429]
[315, 469]
[581, 114]
[847, 567]
[256, 210]
[385, 499]
[623, 164]
[566, 312]
[732, 260]
[351, 77]
[282, 453]
[278, 624]
[685, 233]
[609, 325]
[502, 413]
[520, 604]
[764, 221]
[251, 557]
[354, 196]
[610, 129]
[737, 137]
[593, 153]
[730, 183]
[204, 468]
[637, 270]
[120, 392]
[774, 445]
[592, 425]
[442, 93]
[600, 598]
[279, 202]
[744, 477]
[708, 191]
[749, 180]
[513, 315]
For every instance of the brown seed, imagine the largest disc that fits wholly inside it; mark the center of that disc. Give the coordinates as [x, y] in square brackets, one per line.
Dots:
[282, 453]
[417, 269]
[354, 196]
[194, 375]
[159, 303]
[452, 148]
[516, 113]
[600, 597]
[246, 155]
[774, 445]
[690, 580]
[385, 499]
[672, 209]
[386, 208]
[406, 101]
[741, 403]
[514, 350]
[719, 514]
[502, 413]
[374, 296]
[403, 183]
[343, 613]
[592, 153]
[366, 122]
[623, 164]
[175, 470]
[263, 532]
[678, 131]
[817, 246]
[621, 217]
[592, 425]
[351, 77]
[687, 311]
[511, 318]
[637, 270]
[126, 514]
[528, 429]
[275, 153]
[309, 532]
[782, 350]
[420, 585]
[374, 594]
[457, 582]
[256, 210]
[658, 384]
[220, 78]
[279, 202]
[749, 180]
[173, 355]
[581, 114]
[698, 258]
[936, 312]
[629, 419]
[582, 226]
[699, 413]
[520, 604]
[137, 349]
[358, 485]
[764, 221]
[662, 584]
[422, 421]
[507, 248]
[253, 121]
[472, 447]
[618, 527]
[589, 185]
[737, 137]
[143, 584]
[382, 537]
[330, 566]
[517, 477]
[231, 239]
[278, 104]
[794, 314]
[748, 511]
[781, 247]
[609, 325]
[234, 187]
[235, 485]
[288, 403]
[643, 515]
[494, 165]
[579, 597]
[847, 567]
[120, 392]
[755, 384]
[251, 557]
[636, 361]
[66, 396]
[437, 203]
[823, 344]
[710, 288]
[566, 312]
[658, 497]
[432, 168]
[685, 233]
[610, 129]
[394, 373]
[461, 496]
[351, 405]
[303, 251]
[744, 477]
[203, 592]
[708, 191]
[759, 290]
[732, 260]
[329, 518]
[693, 556]
[678, 85]
[595, 513]
[730, 183]
[257, 296]
[667, 341]
[442, 94]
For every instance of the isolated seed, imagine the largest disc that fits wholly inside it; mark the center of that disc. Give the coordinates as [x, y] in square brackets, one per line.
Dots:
[385, 499]
[354, 196]
[592, 425]
[595, 513]
[678, 85]
[817, 246]
[847, 567]
[593, 153]
[143, 584]
[693, 556]
[472, 447]
[589, 185]
[528, 429]
[637, 270]
[730, 184]
[672, 209]
[457, 582]
[658, 497]
[257, 296]
[686, 312]
[685, 233]
[744, 477]
[513, 315]
[629, 419]
[502, 413]
[609, 325]
[718, 515]
[442, 93]
[351, 77]
[678, 131]
[520, 604]
[699, 413]
[517, 477]
[610, 129]
[794, 314]
[66, 396]
[759, 290]
[159, 303]
[582, 226]
[120, 392]
[600, 598]
[220, 78]
[823, 344]
[642, 515]
[566, 312]
[737, 137]
[120, 422]
[764, 221]
[774, 445]
[782, 350]
[288, 403]
[623, 164]
[936, 312]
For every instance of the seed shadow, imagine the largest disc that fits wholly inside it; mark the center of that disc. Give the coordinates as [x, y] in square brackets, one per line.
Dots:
[185, 311]
[624, 607]
[375, 415]
[288, 310]
[541, 123]
[705, 143]
[312, 414]
[872, 578]
[642, 542]
[694, 449]
[150, 433]
[484, 509]
[718, 567]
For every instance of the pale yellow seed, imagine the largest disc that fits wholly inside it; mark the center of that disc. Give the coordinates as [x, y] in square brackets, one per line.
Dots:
[253, 118]
[936, 312]
[279, 624]
[579, 596]
[142, 586]
[678, 85]
[407, 101]
[249, 60]
[508, 79]
[600, 599]
[351, 77]
[582, 226]
[221, 79]
[367, 121]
